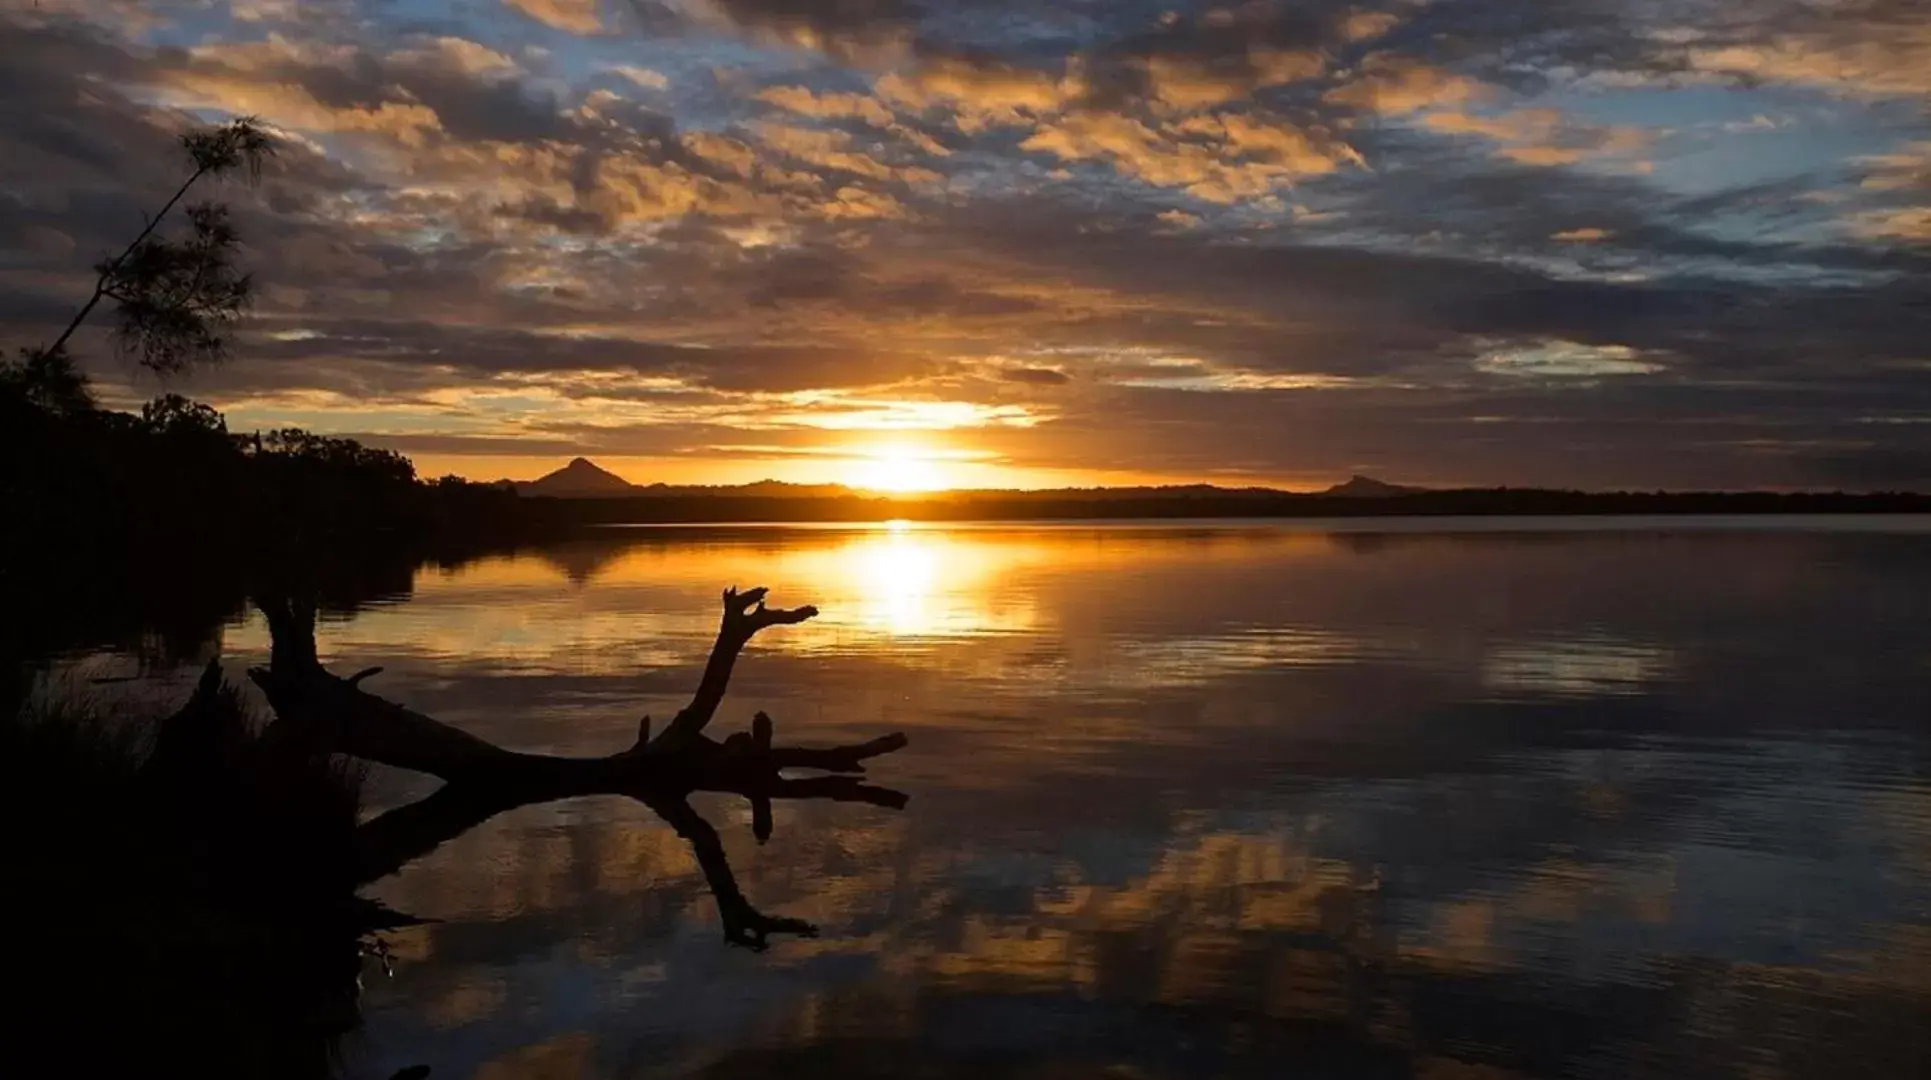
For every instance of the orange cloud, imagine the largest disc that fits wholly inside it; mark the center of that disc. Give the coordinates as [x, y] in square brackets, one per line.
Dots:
[1903, 175]
[733, 154]
[1187, 85]
[1220, 158]
[1393, 85]
[644, 77]
[1522, 125]
[1911, 224]
[1358, 26]
[270, 78]
[834, 106]
[1540, 137]
[460, 54]
[801, 100]
[1906, 168]
[1297, 149]
[826, 149]
[575, 16]
[979, 96]
[1544, 156]
[1881, 58]
[629, 189]
[249, 78]
[853, 203]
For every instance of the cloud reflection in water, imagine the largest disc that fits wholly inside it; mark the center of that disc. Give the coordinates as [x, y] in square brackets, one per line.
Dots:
[1199, 802]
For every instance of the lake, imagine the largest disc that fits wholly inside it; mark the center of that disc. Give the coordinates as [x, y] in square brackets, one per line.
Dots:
[1480, 799]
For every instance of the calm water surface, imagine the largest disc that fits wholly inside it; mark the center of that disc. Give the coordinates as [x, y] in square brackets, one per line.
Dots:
[1637, 800]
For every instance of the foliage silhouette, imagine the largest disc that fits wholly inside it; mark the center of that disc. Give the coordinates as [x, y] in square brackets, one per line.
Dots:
[178, 297]
[46, 380]
[206, 884]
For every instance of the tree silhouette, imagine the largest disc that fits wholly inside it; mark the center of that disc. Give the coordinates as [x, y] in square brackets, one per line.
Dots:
[177, 297]
[46, 380]
[172, 414]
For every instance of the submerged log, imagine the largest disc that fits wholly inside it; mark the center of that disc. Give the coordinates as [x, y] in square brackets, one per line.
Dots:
[317, 712]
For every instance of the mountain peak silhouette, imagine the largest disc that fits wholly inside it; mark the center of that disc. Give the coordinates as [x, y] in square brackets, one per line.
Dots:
[1367, 487]
[581, 478]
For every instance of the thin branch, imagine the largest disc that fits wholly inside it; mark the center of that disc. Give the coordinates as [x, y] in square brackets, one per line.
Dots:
[107, 272]
[743, 924]
[744, 615]
[395, 838]
[840, 759]
[843, 789]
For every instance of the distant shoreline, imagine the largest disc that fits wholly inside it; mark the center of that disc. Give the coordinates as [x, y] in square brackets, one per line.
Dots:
[1911, 523]
[723, 509]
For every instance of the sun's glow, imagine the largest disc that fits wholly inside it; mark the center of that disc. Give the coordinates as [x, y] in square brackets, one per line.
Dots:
[900, 467]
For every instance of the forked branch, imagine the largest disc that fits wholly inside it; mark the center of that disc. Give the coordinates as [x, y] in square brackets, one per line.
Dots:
[744, 615]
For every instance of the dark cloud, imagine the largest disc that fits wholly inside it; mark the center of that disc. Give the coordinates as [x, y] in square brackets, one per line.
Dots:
[1032, 376]
[821, 17]
[403, 348]
[1894, 463]
[468, 445]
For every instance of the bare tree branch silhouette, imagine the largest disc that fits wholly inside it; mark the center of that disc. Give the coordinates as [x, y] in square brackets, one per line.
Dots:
[318, 713]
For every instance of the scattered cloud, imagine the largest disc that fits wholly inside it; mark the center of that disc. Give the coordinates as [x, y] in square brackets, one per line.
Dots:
[574, 16]
[1358, 26]
[1543, 137]
[1567, 360]
[1900, 182]
[1218, 158]
[1185, 85]
[800, 99]
[642, 76]
[1393, 84]
[1912, 224]
[1864, 48]
[975, 97]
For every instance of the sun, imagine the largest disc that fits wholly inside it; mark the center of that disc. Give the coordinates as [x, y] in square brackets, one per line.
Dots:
[899, 467]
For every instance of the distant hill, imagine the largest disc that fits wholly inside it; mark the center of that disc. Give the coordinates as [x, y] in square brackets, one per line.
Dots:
[762, 489]
[581, 479]
[1366, 487]
[581, 493]
[584, 479]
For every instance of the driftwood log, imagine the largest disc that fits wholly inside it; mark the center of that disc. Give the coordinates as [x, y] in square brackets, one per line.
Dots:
[317, 712]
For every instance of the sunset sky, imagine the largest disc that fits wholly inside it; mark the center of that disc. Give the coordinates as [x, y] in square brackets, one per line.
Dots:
[1604, 243]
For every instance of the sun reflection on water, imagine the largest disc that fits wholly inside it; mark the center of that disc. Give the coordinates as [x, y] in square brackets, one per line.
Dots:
[896, 572]
[642, 599]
